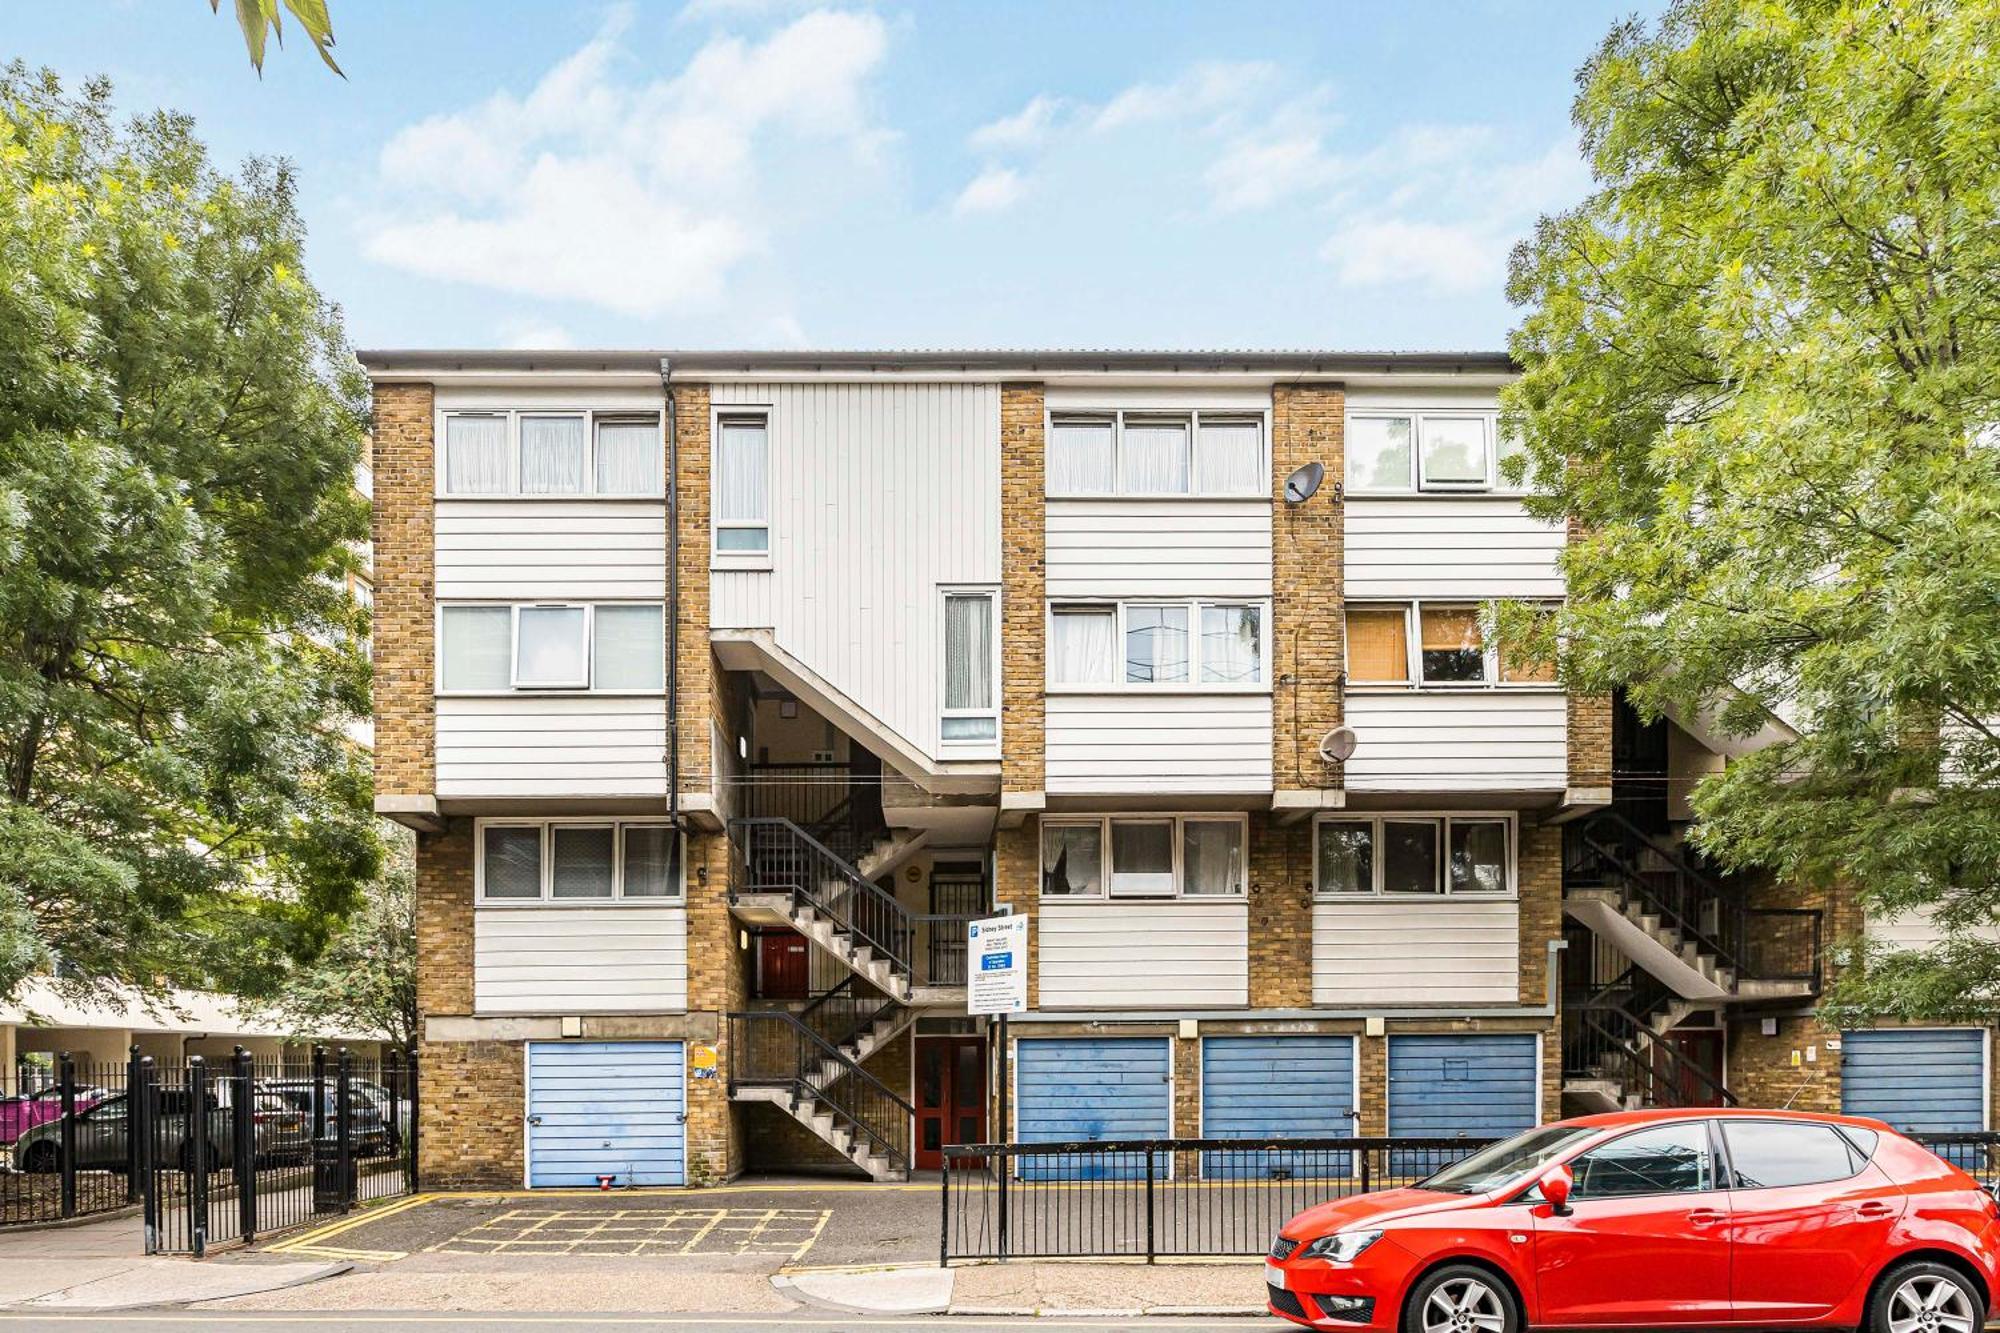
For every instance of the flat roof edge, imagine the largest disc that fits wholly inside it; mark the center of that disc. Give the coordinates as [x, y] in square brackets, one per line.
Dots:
[629, 361]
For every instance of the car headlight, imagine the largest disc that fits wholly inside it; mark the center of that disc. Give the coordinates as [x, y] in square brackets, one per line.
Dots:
[1342, 1246]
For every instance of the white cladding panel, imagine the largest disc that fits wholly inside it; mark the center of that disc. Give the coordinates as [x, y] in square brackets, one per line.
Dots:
[552, 745]
[577, 960]
[1158, 742]
[1180, 548]
[1190, 953]
[521, 550]
[1916, 929]
[881, 493]
[1439, 950]
[1449, 546]
[1476, 740]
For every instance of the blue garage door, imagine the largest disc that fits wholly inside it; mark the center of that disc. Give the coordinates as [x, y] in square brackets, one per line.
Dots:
[1277, 1088]
[1921, 1080]
[606, 1108]
[1096, 1089]
[1448, 1087]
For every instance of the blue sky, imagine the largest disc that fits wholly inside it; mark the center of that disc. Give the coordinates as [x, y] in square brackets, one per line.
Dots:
[770, 174]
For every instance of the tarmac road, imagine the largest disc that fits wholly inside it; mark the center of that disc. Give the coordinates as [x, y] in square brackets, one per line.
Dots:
[189, 1321]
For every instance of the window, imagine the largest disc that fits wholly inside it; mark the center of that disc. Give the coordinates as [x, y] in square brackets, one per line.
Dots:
[1450, 649]
[551, 454]
[1151, 856]
[1160, 648]
[1672, 1159]
[1157, 454]
[742, 487]
[1413, 854]
[617, 646]
[1404, 452]
[579, 861]
[969, 710]
[1767, 1154]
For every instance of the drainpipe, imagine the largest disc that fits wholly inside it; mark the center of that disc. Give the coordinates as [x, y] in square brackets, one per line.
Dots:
[673, 599]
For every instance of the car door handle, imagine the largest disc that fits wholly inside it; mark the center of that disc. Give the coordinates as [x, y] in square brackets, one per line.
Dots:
[1706, 1217]
[1875, 1208]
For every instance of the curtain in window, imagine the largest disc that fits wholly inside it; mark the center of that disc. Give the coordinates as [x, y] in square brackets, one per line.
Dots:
[1211, 856]
[1346, 857]
[513, 863]
[649, 862]
[1082, 645]
[1142, 856]
[551, 650]
[1072, 858]
[1378, 644]
[629, 648]
[1410, 857]
[1156, 645]
[1230, 459]
[1156, 457]
[475, 455]
[1478, 856]
[475, 647]
[742, 472]
[551, 455]
[1378, 454]
[628, 458]
[580, 862]
[1080, 459]
[968, 652]
[1232, 645]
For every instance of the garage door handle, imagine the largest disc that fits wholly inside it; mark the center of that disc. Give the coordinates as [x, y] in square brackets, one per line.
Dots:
[534, 1120]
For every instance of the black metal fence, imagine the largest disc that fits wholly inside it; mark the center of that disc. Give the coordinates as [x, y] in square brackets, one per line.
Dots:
[1161, 1197]
[211, 1152]
[1978, 1155]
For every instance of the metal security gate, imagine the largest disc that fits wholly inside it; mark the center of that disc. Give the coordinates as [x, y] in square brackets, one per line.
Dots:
[1921, 1080]
[601, 1110]
[1085, 1089]
[1277, 1088]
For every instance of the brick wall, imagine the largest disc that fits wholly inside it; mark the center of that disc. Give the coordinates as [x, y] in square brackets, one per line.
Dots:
[1589, 740]
[405, 712]
[1023, 538]
[697, 663]
[472, 1126]
[1280, 913]
[1017, 882]
[1539, 874]
[1760, 1070]
[1307, 425]
[444, 920]
[717, 972]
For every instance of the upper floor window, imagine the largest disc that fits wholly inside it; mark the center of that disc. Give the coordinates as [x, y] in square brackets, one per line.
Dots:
[743, 486]
[1413, 854]
[971, 663]
[580, 860]
[1437, 644]
[1157, 454]
[543, 454]
[1391, 452]
[1197, 644]
[1150, 856]
[612, 646]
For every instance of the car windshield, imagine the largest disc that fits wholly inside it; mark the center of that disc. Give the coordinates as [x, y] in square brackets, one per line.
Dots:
[1496, 1164]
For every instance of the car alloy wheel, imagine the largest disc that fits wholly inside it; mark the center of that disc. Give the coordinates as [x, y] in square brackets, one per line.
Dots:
[1468, 1305]
[1928, 1302]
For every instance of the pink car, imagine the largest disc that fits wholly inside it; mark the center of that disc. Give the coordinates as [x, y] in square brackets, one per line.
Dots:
[18, 1115]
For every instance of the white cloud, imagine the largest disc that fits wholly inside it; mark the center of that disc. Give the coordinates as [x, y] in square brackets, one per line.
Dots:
[1206, 87]
[1026, 128]
[639, 196]
[991, 191]
[1440, 257]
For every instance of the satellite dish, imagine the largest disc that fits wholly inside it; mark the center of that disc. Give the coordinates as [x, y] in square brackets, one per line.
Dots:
[1300, 486]
[1337, 746]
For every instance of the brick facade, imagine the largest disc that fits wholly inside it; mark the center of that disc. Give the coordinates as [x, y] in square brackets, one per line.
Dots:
[1308, 424]
[1538, 874]
[696, 659]
[718, 970]
[1023, 541]
[1589, 717]
[444, 920]
[1281, 921]
[472, 1120]
[404, 554]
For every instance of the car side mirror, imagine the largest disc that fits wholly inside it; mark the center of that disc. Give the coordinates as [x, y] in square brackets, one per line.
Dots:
[1556, 1184]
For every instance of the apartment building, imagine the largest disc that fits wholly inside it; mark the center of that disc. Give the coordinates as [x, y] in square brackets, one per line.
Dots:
[724, 688]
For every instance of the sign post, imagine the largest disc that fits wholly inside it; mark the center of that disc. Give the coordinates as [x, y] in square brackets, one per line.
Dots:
[996, 952]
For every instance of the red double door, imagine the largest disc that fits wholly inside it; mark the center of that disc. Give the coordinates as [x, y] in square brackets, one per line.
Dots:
[951, 1096]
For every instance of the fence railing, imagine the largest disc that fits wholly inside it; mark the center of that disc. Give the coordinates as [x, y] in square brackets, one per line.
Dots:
[60, 1156]
[1149, 1198]
[1976, 1154]
[772, 1049]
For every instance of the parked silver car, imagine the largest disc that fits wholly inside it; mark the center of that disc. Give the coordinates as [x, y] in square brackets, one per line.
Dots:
[373, 1128]
[278, 1132]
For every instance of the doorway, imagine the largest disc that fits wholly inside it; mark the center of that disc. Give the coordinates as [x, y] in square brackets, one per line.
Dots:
[1700, 1048]
[951, 1096]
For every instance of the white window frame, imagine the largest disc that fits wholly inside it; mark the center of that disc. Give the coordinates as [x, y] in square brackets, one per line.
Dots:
[676, 898]
[1106, 872]
[980, 746]
[1194, 684]
[591, 417]
[720, 415]
[514, 685]
[1444, 820]
[1192, 419]
[1412, 608]
[1419, 485]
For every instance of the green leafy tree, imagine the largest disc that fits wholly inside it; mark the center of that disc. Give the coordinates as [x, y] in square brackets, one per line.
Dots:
[1763, 378]
[260, 21]
[180, 422]
[366, 980]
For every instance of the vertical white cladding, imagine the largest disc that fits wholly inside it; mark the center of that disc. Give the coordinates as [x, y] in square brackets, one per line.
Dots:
[881, 493]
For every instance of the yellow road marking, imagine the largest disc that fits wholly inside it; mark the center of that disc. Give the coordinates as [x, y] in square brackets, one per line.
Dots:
[348, 1223]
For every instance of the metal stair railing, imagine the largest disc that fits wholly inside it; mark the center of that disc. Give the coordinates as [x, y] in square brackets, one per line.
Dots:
[1607, 841]
[1654, 1069]
[771, 1048]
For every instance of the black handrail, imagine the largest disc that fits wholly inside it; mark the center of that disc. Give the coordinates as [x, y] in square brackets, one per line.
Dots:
[1644, 1066]
[777, 856]
[772, 1048]
[1617, 842]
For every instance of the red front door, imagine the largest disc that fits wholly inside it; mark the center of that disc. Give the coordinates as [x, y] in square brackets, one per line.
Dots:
[951, 1096]
[1701, 1050]
[782, 971]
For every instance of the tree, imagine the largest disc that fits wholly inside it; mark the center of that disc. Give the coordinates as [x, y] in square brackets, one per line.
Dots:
[366, 980]
[1762, 378]
[260, 20]
[180, 422]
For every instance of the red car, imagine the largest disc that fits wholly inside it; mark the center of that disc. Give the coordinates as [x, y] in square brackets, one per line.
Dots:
[1657, 1219]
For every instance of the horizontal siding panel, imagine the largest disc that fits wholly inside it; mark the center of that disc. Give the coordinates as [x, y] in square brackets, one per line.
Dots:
[1449, 547]
[551, 745]
[1396, 952]
[1157, 742]
[527, 550]
[541, 960]
[1104, 548]
[1472, 741]
[1117, 955]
